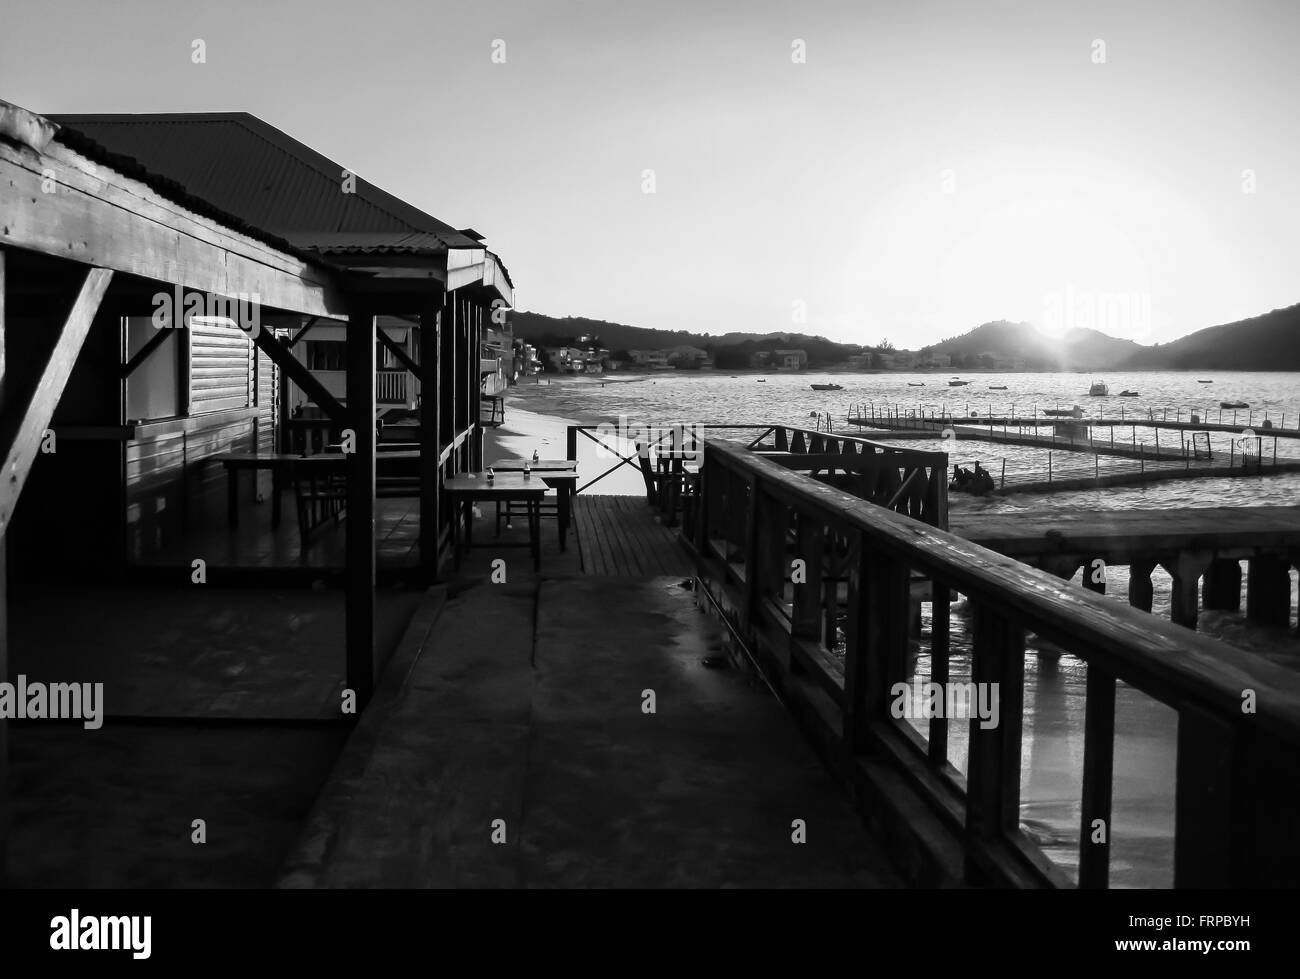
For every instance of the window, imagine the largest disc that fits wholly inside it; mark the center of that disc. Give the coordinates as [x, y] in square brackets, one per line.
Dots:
[152, 390]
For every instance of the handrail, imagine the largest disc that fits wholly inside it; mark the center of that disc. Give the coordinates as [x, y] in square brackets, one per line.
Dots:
[848, 461]
[743, 535]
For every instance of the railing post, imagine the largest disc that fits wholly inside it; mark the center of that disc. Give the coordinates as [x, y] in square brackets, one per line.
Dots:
[1204, 834]
[810, 547]
[1098, 778]
[993, 778]
[939, 635]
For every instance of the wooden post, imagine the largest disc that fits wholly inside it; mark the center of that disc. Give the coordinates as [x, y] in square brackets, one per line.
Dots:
[805, 618]
[1140, 590]
[1204, 837]
[1222, 588]
[4, 619]
[1268, 591]
[448, 325]
[430, 428]
[993, 779]
[1098, 772]
[939, 635]
[1184, 605]
[360, 524]
[1088, 571]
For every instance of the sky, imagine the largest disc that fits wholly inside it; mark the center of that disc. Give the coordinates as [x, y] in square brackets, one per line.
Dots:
[859, 170]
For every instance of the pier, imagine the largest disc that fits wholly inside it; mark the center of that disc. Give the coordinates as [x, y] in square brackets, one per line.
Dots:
[1201, 549]
[1078, 460]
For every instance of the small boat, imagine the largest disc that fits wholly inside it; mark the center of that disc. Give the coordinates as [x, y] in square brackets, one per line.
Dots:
[915, 384]
[997, 387]
[762, 380]
[1128, 394]
[957, 384]
[1059, 412]
[1204, 382]
[826, 387]
[1098, 390]
[1233, 404]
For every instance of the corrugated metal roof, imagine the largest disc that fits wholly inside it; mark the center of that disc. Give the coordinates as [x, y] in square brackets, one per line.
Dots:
[266, 178]
[370, 242]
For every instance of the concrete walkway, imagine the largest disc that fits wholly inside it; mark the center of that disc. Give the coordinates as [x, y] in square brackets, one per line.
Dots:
[523, 703]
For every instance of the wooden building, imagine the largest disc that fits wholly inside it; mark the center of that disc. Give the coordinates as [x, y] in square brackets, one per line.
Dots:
[112, 407]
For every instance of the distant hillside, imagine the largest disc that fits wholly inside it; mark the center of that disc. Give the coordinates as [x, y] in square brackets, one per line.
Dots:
[1267, 342]
[1076, 350]
[1270, 342]
[543, 330]
[538, 329]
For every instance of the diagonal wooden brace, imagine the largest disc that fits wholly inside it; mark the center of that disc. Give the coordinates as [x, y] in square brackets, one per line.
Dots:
[300, 376]
[27, 417]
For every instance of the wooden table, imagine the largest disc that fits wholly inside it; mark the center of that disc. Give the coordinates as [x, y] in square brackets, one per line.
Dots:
[463, 490]
[560, 475]
[279, 464]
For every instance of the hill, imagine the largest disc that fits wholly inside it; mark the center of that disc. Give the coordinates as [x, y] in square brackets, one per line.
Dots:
[731, 350]
[1004, 341]
[1270, 342]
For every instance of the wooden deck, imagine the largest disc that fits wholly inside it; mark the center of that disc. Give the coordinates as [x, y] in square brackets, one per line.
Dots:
[620, 536]
[508, 746]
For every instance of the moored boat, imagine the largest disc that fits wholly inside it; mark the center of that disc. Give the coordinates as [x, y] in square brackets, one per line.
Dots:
[957, 384]
[827, 387]
[1098, 390]
[1128, 394]
[1233, 404]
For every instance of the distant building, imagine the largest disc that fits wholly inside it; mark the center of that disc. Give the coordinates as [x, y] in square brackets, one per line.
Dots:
[650, 358]
[790, 360]
[685, 357]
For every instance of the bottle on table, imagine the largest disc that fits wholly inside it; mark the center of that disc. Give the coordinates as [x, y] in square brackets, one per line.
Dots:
[490, 474]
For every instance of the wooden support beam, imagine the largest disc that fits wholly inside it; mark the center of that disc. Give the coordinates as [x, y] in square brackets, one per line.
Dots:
[449, 324]
[1222, 586]
[103, 219]
[1268, 591]
[360, 523]
[296, 372]
[993, 776]
[1185, 597]
[1098, 779]
[306, 328]
[394, 348]
[28, 414]
[1203, 801]
[1140, 591]
[5, 817]
[431, 516]
[940, 632]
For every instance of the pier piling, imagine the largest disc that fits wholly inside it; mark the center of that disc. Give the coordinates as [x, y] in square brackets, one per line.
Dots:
[1222, 588]
[1140, 591]
[1268, 591]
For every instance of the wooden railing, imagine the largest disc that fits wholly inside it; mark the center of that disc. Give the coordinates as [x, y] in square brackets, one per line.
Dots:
[1238, 740]
[900, 478]
[390, 387]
